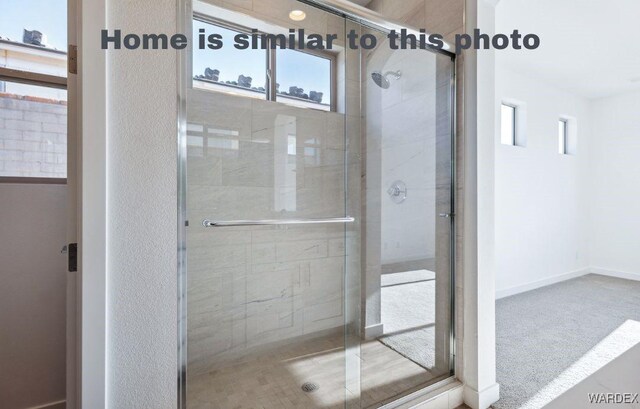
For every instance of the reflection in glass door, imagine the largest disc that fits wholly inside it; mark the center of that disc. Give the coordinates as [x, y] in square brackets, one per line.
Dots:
[318, 201]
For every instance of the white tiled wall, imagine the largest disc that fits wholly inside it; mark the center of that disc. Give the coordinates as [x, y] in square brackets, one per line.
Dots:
[249, 287]
[401, 123]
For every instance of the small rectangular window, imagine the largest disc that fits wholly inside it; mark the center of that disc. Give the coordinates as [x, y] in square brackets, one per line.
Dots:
[243, 72]
[508, 128]
[308, 87]
[563, 137]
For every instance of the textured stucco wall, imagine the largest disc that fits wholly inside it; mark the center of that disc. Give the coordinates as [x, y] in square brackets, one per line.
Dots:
[142, 213]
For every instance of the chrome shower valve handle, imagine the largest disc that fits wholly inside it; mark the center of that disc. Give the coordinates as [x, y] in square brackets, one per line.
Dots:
[398, 192]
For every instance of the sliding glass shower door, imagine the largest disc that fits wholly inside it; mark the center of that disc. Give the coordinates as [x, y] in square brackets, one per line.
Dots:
[407, 203]
[317, 223]
[266, 200]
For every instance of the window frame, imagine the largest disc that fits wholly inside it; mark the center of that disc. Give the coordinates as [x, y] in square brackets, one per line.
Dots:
[41, 80]
[271, 73]
[227, 25]
[332, 76]
[514, 123]
[563, 140]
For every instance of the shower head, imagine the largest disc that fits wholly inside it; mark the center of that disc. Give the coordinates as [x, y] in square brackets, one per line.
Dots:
[382, 80]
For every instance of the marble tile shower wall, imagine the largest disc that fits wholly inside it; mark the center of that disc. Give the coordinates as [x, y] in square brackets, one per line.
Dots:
[403, 120]
[250, 287]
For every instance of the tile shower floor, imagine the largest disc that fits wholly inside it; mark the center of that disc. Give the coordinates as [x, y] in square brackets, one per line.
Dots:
[274, 379]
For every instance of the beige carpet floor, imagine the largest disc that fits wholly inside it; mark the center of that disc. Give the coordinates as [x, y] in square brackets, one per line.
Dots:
[552, 338]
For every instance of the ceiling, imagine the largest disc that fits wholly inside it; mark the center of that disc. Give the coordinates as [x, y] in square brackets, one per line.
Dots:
[588, 47]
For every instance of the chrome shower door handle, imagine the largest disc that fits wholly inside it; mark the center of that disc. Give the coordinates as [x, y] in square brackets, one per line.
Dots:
[276, 222]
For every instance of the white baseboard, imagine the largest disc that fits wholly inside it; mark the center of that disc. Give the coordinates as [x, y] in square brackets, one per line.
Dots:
[374, 331]
[617, 274]
[541, 283]
[456, 397]
[506, 292]
[483, 399]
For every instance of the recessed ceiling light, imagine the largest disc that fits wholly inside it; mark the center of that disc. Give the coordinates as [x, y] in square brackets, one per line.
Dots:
[297, 15]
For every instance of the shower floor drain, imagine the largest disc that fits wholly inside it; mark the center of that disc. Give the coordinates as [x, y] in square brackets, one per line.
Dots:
[310, 387]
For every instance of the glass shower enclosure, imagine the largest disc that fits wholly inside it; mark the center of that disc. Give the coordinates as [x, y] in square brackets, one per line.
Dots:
[316, 221]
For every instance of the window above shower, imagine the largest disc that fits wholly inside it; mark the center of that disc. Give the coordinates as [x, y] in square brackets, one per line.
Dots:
[228, 69]
[246, 72]
[316, 77]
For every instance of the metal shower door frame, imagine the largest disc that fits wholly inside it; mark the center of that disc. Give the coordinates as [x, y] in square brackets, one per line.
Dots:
[348, 11]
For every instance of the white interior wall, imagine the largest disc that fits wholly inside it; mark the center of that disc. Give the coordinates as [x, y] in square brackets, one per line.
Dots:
[562, 216]
[542, 211]
[615, 197]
